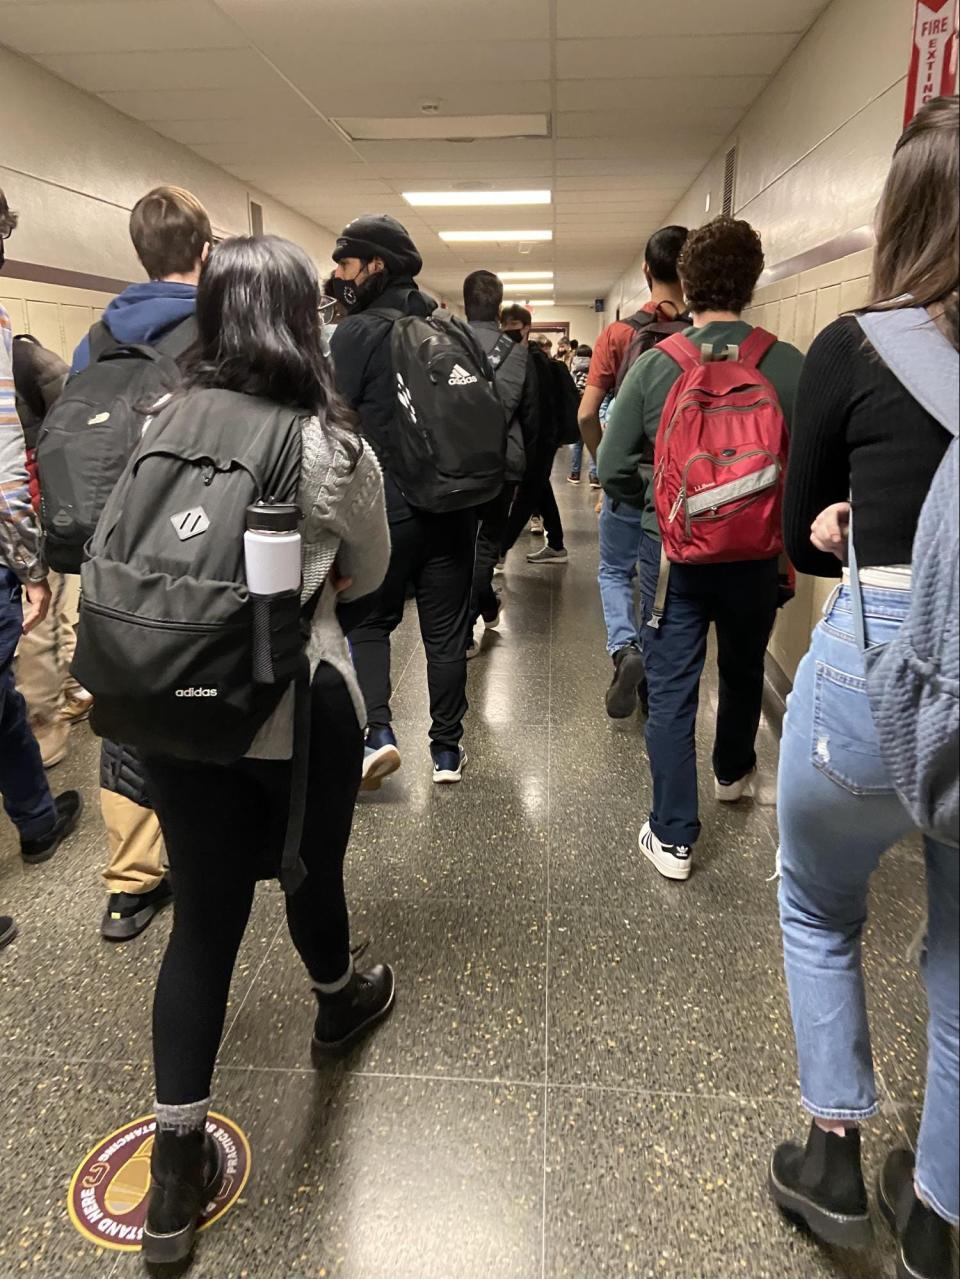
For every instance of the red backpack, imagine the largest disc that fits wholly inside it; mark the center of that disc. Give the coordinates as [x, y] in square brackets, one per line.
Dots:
[720, 458]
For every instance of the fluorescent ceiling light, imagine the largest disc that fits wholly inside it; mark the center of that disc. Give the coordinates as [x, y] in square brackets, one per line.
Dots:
[475, 198]
[541, 302]
[493, 237]
[521, 287]
[525, 275]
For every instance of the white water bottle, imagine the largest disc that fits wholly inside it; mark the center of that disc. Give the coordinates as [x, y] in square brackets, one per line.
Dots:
[271, 548]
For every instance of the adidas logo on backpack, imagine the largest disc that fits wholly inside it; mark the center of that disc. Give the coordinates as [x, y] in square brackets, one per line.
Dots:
[459, 376]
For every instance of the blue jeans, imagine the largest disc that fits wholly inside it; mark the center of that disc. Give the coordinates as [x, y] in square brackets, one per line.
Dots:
[621, 532]
[838, 815]
[741, 601]
[23, 783]
[576, 460]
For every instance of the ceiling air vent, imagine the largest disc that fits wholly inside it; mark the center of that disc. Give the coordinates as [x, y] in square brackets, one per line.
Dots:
[256, 218]
[729, 179]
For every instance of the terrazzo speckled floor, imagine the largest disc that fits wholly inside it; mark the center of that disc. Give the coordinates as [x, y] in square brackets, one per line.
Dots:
[587, 1066]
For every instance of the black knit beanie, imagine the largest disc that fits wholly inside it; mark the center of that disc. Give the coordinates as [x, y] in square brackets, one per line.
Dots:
[377, 235]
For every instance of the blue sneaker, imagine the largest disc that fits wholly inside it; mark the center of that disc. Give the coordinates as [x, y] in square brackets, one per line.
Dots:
[448, 766]
[380, 757]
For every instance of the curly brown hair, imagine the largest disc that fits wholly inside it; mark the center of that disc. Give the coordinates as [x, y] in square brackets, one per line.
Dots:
[720, 265]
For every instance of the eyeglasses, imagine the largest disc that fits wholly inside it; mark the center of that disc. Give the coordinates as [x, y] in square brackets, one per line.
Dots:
[326, 309]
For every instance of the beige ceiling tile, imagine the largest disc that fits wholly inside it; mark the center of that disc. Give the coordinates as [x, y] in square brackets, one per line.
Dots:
[363, 98]
[230, 135]
[659, 120]
[612, 199]
[211, 104]
[410, 176]
[111, 26]
[660, 177]
[682, 58]
[321, 74]
[493, 150]
[392, 22]
[190, 69]
[691, 18]
[644, 91]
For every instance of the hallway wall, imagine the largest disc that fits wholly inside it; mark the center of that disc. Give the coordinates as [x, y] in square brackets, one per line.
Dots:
[813, 150]
[812, 155]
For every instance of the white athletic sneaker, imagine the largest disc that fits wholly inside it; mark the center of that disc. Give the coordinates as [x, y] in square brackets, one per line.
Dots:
[379, 762]
[673, 861]
[536, 526]
[547, 555]
[749, 787]
[500, 567]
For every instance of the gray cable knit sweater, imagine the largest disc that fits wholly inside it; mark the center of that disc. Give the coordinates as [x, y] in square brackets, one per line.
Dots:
[344, 522]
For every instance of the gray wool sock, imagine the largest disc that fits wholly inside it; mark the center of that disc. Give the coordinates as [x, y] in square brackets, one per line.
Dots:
[182, 1119]
[334, 987]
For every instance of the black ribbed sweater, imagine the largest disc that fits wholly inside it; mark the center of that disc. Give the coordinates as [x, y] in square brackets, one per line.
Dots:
[857, 430]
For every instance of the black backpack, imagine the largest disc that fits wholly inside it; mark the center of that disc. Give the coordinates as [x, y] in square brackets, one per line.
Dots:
[89, 434]
[508, 359]
[180, 659]
[566, 400]
[650, 329]
[449, 445]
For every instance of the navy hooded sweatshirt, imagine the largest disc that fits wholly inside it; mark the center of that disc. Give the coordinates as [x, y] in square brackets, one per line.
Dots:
[142, 313]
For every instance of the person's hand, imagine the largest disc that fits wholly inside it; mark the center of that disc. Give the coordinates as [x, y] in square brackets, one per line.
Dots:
[38, 602]
[830, 531]
[339, 583]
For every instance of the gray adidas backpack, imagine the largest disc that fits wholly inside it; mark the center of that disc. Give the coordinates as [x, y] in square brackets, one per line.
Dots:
[913, 683]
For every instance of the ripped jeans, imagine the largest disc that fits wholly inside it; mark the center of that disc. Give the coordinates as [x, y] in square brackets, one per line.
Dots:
[838, 814]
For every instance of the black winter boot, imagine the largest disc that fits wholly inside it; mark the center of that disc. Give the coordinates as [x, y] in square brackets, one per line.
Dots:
[822, 1185]
[923, 1238]
[346, 1016]
[186, 1173]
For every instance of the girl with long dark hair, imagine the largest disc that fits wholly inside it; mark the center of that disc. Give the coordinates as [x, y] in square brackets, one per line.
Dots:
[260, 334]
[860, 434]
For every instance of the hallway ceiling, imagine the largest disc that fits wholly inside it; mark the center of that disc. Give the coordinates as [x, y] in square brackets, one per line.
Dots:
[255, 85]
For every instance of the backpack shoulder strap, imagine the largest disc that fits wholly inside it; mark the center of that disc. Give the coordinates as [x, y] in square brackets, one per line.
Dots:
[99, 341]
[502, 348]
[681, 350]
[755, 346]
[639, 320]
[178, 340]
[920, 357]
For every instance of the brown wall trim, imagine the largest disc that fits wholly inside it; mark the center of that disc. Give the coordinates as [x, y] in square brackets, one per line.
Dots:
[841, 246]
[38, 274]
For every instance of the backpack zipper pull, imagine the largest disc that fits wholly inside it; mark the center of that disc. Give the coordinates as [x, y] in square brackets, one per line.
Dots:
[208, 472]
[675, 509]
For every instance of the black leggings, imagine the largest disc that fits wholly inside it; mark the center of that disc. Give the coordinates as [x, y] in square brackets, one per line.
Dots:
[223, 828]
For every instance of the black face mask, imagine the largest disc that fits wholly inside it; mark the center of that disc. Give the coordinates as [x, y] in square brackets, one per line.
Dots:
[345, 291]
[354, 296]
[515, 335]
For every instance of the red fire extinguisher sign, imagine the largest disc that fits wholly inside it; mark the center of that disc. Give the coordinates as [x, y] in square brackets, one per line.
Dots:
[933, 59]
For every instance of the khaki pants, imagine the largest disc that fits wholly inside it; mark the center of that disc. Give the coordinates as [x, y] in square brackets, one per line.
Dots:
[43, 667]
[137, 854]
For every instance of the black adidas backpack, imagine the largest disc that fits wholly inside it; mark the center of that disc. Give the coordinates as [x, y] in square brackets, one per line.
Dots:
[449, 446]
[88, 436]
[180, 659]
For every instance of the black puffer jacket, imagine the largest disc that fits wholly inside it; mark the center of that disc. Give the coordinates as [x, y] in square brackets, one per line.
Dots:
[365, 376]
[121, 771]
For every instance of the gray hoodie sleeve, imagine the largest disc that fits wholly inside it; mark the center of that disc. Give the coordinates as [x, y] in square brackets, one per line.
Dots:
[364, 553]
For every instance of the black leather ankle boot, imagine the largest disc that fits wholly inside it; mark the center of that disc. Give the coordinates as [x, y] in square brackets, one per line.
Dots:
[186, 1174]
